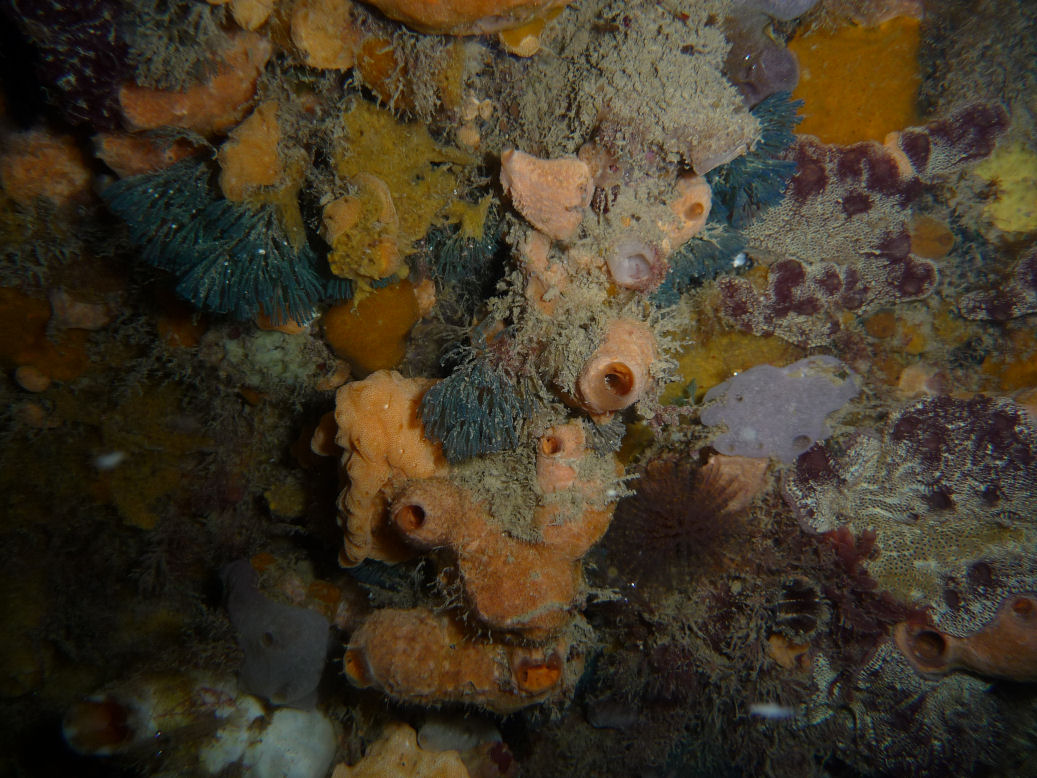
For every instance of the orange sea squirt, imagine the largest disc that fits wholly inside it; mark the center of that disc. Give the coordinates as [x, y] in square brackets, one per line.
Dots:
[23, 322]
[858, 83]
[372, 334]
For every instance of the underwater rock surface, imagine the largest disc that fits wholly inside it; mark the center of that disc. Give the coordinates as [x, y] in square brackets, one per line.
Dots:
[600, 388]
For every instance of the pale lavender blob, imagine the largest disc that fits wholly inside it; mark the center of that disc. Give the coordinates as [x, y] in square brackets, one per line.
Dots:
[284, 646]
[635, 264]
[778, 411]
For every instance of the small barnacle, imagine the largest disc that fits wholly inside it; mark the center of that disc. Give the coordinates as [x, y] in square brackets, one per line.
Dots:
[800, 610]
[600, 201]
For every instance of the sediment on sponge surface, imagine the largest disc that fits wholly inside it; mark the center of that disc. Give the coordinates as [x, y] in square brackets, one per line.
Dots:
[170, 43]
[622, 72]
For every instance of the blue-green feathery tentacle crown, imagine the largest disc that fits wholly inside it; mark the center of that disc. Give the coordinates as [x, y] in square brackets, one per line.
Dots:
[476, 410]
[229, 258]
[741, 189]
[757, 180]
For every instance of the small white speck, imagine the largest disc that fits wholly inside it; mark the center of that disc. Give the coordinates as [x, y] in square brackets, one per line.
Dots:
[109, 461]
[740, 259]
[771, 710]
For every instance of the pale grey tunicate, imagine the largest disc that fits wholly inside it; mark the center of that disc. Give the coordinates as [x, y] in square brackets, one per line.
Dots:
[778, 411]
[285, 646]
[757, 64]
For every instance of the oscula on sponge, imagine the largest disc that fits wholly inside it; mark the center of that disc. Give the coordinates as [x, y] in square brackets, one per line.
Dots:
[640, 263]
[207, 724]
[508, 583]
[510, 514]
[384, 446]
[1004, 648]
[518, 578]
[399, 500]
[605, 216]
[425, 658]
[618, 373]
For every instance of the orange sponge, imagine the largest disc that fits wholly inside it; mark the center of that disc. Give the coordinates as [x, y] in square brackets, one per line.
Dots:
[420, 657]
[465, 17]
[24, 339]
[1004, 648]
